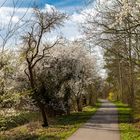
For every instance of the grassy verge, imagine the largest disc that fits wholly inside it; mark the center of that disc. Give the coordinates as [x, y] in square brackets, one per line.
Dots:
[60, 128]
[17, 120]
[128, 130]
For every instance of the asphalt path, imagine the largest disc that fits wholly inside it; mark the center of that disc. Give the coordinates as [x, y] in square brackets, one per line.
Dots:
[102, 126]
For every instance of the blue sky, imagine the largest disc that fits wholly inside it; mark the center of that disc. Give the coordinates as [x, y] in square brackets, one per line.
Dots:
[67, 5]
[72, 7]
[64, 3]
[70, 29]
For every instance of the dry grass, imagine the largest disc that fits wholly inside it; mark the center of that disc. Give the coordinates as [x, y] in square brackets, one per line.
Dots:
[60, 128]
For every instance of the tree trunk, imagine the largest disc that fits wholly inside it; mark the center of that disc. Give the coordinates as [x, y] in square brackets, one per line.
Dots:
[44, 117]
[131, 99]
[35, 97]
[66, 100]
[79, 105]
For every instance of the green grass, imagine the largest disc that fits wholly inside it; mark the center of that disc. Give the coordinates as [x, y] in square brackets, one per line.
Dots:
[60, 128]
[128, 130]
[17, 120]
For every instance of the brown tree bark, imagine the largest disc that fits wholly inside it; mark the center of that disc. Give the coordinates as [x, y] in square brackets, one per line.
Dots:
[79, 105]
[39, 104]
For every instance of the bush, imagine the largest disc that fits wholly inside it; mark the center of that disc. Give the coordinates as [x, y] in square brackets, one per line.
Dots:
[112, 96]
[17, 120]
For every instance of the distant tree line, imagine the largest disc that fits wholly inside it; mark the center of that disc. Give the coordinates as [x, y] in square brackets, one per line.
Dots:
[115, 26]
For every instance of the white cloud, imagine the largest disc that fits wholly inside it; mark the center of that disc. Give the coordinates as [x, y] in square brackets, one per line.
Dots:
[70, 30]
[49, 8]
[77, 18]
[9, 13]
[73, 26]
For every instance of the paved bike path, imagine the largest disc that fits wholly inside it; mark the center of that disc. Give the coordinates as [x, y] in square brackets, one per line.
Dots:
[102, 126]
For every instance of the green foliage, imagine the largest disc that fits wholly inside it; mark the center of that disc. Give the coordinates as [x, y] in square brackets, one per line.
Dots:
[17, 120]
[129, 132]
[128, 129]
[125, 112]
[10, 99]
[137, 102]
[60, 128]
[112, 96]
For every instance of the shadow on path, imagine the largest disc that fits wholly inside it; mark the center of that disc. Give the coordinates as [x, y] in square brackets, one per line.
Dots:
[102, 126]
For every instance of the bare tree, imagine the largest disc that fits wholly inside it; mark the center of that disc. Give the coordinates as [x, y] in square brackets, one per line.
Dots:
[11, 27]
[35, 50]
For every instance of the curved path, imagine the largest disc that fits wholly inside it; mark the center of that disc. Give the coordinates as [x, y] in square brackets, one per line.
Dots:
[102, 126]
